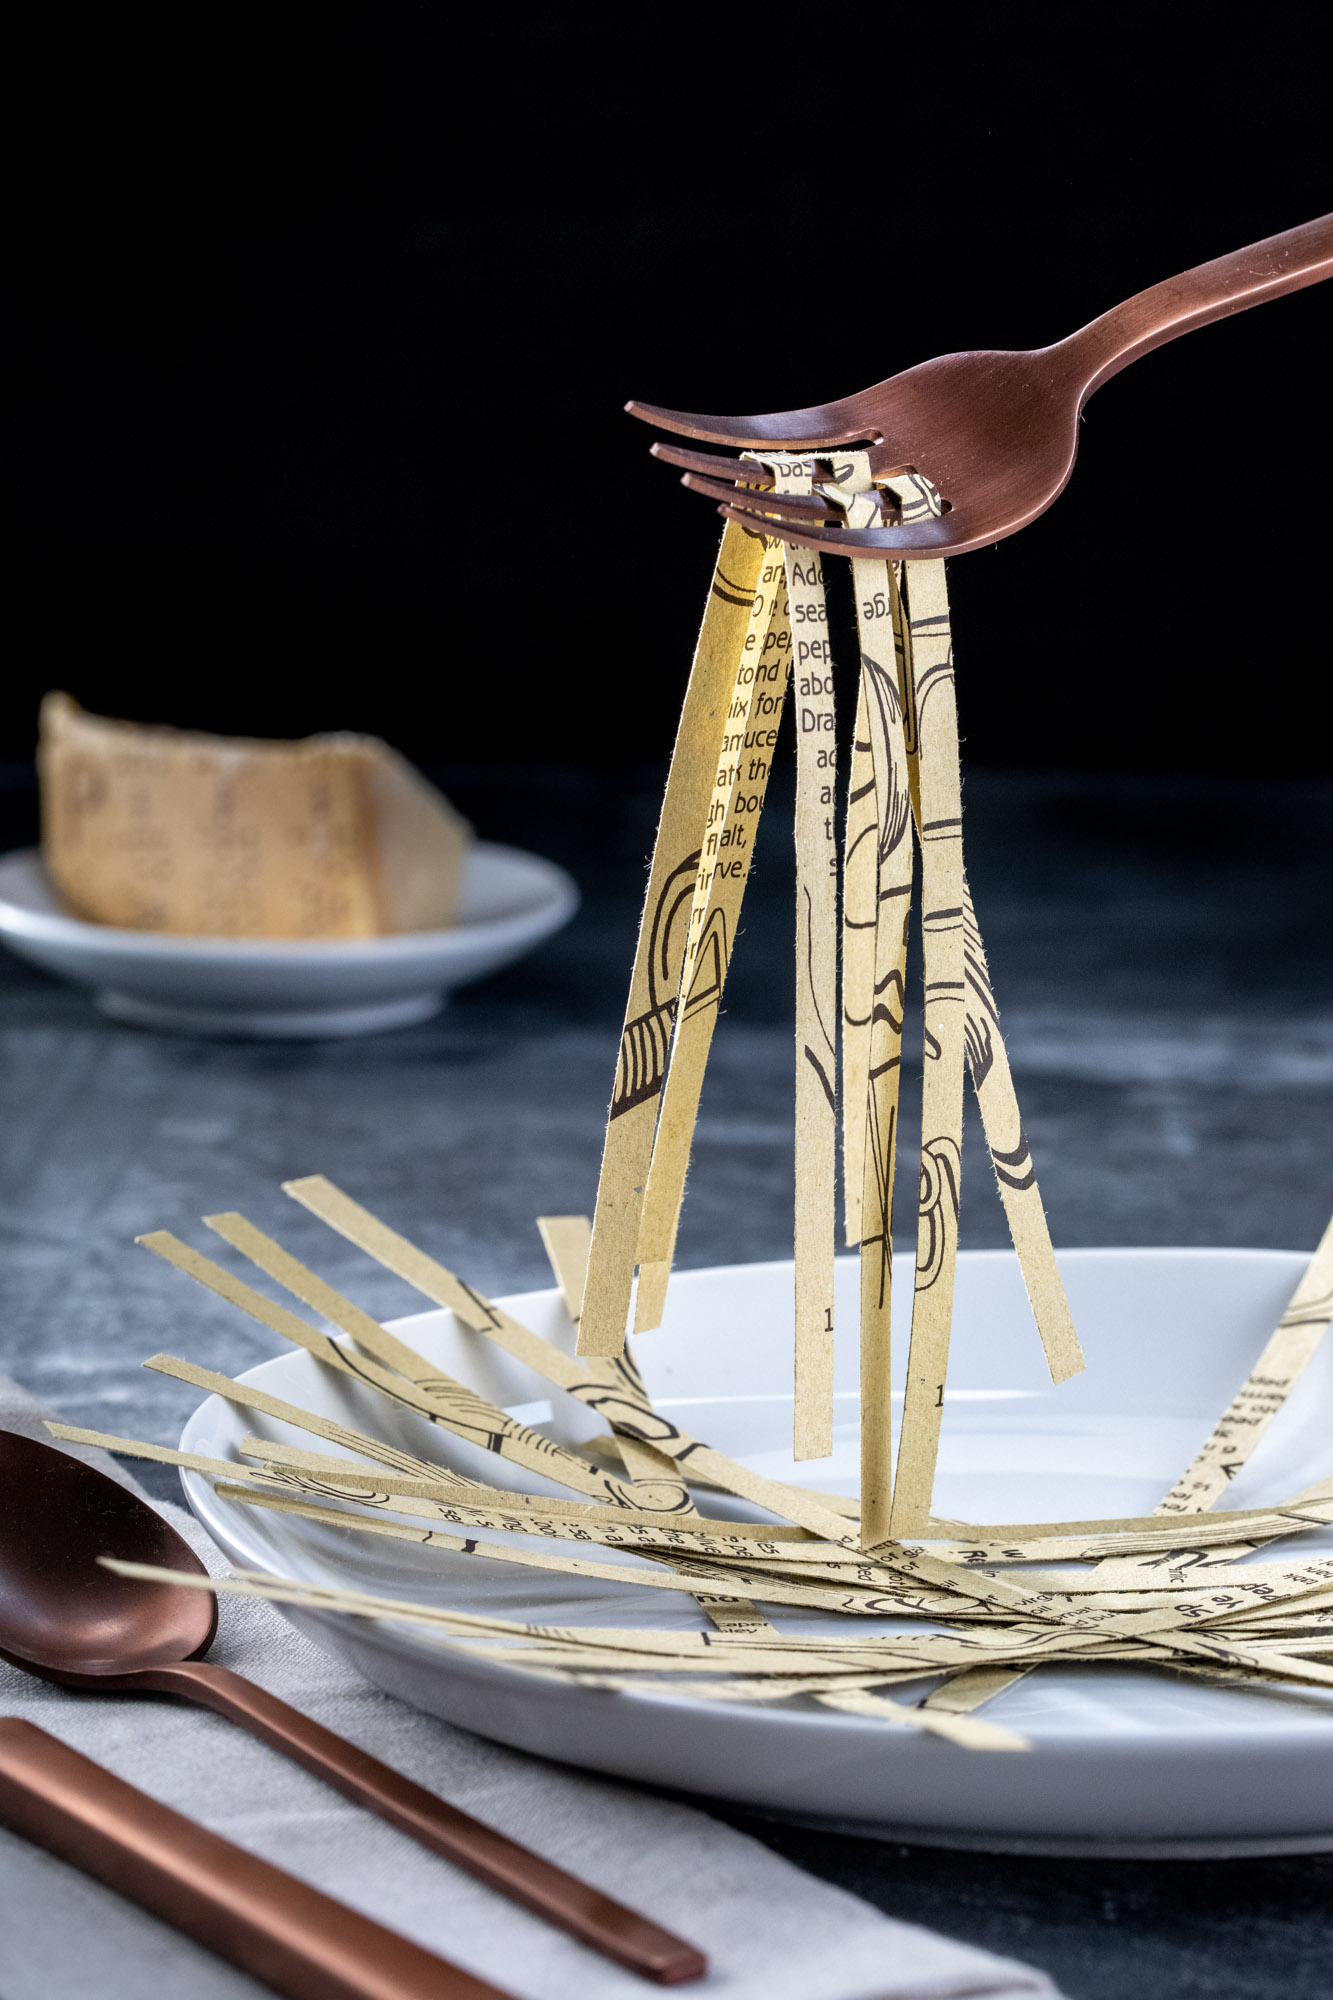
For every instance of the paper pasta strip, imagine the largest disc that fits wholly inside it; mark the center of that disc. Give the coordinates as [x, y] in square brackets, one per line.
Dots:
[526, 1446]
[860, 897]
[659, 1650]
[882, 688]
[1015, 1174]
[954, 1725]
[727, 1580]
[319, 1476]
[247, 1397]
[614, 1396]
[655, 979]
[988, 1061]
[931, 710]
[568, 1243]
[964, 1692]
[440, 1400]
[500, 1512]
[986, 1057]
[1264, 1391]
[744, 1584]
[568, 1240]
[816, 979]
[759, 690]
[159, 1454]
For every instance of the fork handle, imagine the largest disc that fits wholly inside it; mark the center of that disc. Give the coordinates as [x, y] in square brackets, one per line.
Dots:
[1285, 263]
[515, 1871]
[287, 1935]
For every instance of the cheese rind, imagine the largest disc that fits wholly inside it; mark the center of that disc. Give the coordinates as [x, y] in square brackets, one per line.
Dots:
[159, 829]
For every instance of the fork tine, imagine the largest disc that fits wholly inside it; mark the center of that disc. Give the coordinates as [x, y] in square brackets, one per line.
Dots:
[786, 506]
[929, 538]
[706, 463]
[829, 424]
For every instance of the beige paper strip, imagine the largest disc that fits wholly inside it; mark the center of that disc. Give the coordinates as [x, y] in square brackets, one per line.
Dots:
[385, 1488]
[732, 1614]
[1304, 1507]
[741, 780]
[415, 1474]
[437, 1282]
[954, 1725]
[940, 1651]
[816, 1001]
[1215, 1527]
[728, 1582]
[743, 1584]
[1015, 1174]
[880, 680]
[1264, 1391]
[159, 1454]
[1016, 1177]
[816, 980]
[302, 1283]
[964, 1692]
[993, 1082]
[250, 1398]
[653, 1477]
[330, 1478]
[568, 1241]
[655, 1647]
[929, 657]
[860, 891]
[842, 1595]
[853, 490]
[608, 1527]
[271, 1257]
[655, 979]
[626, 1409]
[439, 1399]
[289, 1590]
[925, 1651]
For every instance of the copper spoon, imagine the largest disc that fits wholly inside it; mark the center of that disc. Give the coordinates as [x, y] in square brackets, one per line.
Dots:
[66, 1619]
[995, 431]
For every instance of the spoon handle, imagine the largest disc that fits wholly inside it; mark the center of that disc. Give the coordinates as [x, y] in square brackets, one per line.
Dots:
[287, 1935]
[515, 1871]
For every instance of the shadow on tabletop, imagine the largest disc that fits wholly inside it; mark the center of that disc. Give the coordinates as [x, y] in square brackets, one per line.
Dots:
[1257, 1929]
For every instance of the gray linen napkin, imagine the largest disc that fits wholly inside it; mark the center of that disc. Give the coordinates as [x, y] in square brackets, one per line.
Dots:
[771, 1931]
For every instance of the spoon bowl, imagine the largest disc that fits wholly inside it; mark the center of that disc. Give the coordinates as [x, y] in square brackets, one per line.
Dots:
[61, 1613]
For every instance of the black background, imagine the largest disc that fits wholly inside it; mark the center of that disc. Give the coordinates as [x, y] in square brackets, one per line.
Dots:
[318, 323]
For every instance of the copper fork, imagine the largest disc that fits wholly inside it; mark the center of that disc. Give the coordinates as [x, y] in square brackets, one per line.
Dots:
[995, 431]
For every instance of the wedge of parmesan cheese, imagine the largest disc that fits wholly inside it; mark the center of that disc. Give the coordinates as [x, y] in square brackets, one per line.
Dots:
[161, 829]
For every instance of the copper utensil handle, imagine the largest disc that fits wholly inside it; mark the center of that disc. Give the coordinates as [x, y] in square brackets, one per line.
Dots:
[1265, 270]
[285, 1934]
[524, 1877]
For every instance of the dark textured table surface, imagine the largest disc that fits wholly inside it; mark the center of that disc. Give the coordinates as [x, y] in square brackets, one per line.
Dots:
[1163, 955]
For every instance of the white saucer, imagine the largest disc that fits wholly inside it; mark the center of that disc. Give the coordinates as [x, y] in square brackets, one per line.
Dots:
[1123, 1762]
[265, 987]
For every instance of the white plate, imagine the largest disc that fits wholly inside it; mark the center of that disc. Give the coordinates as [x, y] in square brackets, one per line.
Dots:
[250, 987]
[1123, 1761]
